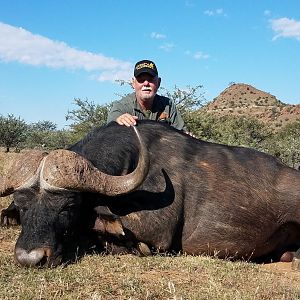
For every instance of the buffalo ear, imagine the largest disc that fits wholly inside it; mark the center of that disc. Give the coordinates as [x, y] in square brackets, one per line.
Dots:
[108, 223]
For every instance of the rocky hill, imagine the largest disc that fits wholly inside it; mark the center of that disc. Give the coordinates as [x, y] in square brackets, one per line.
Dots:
[244, 100]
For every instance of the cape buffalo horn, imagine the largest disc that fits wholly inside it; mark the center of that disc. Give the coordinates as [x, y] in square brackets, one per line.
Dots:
[68, 170]
[23, 172]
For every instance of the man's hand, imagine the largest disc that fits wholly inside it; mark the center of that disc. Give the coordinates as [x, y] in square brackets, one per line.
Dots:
[127, 120]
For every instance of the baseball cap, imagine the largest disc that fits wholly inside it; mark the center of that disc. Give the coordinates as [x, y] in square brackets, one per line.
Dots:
[145, 66]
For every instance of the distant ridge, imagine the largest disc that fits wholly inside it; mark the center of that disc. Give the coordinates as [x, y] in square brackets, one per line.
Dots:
[241, 99]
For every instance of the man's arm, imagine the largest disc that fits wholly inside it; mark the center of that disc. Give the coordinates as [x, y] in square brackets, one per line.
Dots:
[114, 112]
[119, 113]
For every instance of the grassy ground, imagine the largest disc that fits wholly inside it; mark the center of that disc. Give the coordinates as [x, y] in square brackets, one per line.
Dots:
[128, 277]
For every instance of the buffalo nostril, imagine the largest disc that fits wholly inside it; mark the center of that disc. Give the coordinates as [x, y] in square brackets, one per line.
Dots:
[39, 256]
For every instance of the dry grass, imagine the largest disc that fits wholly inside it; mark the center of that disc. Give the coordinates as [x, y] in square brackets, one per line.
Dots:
[158, 277]
[128, 277]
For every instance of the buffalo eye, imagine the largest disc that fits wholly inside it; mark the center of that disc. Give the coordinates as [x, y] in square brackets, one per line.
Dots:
[69, 208]
[24, 199]
[22, 209]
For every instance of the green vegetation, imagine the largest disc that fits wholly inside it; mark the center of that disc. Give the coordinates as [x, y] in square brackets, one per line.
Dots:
[285, 144]
[12, 131]
[86, 116]
[44, 135]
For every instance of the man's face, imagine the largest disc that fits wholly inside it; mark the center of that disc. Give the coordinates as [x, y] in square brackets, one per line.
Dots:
[145, 86]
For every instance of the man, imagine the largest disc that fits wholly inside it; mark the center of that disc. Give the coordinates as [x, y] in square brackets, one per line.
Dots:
[144, 103]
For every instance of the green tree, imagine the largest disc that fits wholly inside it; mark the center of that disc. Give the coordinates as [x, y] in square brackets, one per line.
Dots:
[60, 139]
[12, 131]
[44, 126]
[230, 130]
[285, 144]
[202, 125]
[186, 100]
[86, 116]
[38, 134]
[44, 135]
[247, 132]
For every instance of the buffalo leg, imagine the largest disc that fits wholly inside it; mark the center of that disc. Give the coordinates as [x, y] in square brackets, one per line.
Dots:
[10, 215]
[111, 227]
[117, 240]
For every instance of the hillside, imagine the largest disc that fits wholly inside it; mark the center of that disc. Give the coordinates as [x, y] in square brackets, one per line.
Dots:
[244, 100]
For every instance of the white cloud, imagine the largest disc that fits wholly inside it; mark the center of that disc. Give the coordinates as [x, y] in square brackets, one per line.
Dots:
[197, 55]
[158, 36]
[20, 45]
[285, 27]
[200, 55]
[215, 12]
[167, 47]
[209, 13]
[113, 75]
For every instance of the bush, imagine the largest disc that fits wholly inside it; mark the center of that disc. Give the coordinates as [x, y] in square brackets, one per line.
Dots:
[12, 131]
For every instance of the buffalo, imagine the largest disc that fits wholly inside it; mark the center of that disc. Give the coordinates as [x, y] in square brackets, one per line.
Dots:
[153, 189]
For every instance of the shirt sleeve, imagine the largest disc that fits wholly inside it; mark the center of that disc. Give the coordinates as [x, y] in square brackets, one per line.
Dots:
[118, 109]
[176, 118]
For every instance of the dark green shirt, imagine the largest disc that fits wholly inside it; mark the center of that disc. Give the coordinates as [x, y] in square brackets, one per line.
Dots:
[163, 110]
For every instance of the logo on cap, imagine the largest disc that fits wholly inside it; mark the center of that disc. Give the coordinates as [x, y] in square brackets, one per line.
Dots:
[145, 66]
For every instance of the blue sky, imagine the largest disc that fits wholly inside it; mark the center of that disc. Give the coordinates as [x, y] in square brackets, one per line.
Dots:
[54, 51]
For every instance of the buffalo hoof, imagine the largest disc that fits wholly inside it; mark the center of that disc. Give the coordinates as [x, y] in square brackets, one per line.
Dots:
[143, 249]
[296, 261]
